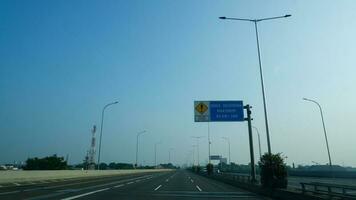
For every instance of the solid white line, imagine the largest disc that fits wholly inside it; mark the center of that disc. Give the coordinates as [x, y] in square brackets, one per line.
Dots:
[158, 187]
[118, 186]
[199, 188]
[11, 192]
[85, 194]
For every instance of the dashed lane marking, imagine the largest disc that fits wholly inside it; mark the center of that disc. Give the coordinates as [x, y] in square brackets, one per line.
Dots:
[17, 184]
[129, 183]
[198, 188]
[85, 194]
[158, 187]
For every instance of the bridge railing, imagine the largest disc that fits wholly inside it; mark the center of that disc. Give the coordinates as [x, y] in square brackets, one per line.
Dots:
[331, 190]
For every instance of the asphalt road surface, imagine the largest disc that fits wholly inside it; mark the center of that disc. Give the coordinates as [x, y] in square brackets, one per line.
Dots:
[179, 184]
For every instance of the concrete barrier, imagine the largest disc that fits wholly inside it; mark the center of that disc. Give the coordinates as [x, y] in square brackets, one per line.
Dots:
[41, 175]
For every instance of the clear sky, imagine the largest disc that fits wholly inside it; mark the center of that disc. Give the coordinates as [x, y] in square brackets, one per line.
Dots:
[62, 61]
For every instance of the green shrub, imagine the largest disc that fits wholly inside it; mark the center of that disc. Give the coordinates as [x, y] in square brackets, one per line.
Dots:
[273, 171]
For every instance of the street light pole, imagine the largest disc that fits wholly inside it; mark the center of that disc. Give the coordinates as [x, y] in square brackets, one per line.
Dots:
[209, 142]
[198, 137]
[138, 134]
[197, 152]
[322, 119]
[101, 129]
[259, 141]
[169, 155]
[228, 141]
[255, 21]
[156, 152]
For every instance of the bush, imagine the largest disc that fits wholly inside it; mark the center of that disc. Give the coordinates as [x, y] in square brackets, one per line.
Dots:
[273, 171]
[209, 168]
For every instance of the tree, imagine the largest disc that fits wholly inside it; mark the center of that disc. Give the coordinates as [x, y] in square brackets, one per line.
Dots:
[273, 171]
[103, 166]
[46, 163]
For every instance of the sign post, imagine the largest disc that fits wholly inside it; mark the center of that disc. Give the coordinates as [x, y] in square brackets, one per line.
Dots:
[226, 111]
[252, 154]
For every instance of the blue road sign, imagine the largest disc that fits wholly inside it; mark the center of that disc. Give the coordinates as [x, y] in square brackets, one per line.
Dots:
[226, 111]
[219, 111]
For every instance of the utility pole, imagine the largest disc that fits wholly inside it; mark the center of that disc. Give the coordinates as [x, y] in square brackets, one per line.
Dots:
[248, 119]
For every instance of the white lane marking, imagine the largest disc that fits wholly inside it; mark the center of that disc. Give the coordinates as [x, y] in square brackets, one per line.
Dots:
[198, 188]
[158, 187]
[129, 183]
[137, 181]
[16, 184]
[85, 194]
[10, 192]
[44, 182]
[167, 180]
[191, 180]
[1, 186]
[117, 186]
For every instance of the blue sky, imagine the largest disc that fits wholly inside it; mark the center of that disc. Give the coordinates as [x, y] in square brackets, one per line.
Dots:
[62, 61]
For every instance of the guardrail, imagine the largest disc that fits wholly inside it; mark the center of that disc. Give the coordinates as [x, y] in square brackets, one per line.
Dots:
[239, 178]
[308, 190]
[331, 190]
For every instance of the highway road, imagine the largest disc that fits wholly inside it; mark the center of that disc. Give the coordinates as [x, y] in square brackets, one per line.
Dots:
[180, 184]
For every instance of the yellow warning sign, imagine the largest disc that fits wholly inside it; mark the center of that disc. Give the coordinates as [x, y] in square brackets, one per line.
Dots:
[201, 108]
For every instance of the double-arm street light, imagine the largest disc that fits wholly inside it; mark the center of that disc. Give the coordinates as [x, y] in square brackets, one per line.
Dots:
[228, 142]
[259, 141]
[255, 21]
[322, 120]
[138, 134]
[198, 137]
[101, 128]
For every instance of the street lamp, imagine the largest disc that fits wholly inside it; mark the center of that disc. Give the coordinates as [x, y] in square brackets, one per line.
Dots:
[198, 137]
[259, 141]
[138, 134]
[209, 143]
[193, 154]
[322, 120]
[255, 21]
[228, 141]
[101, 128]
[169, 155]
[156, 152]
